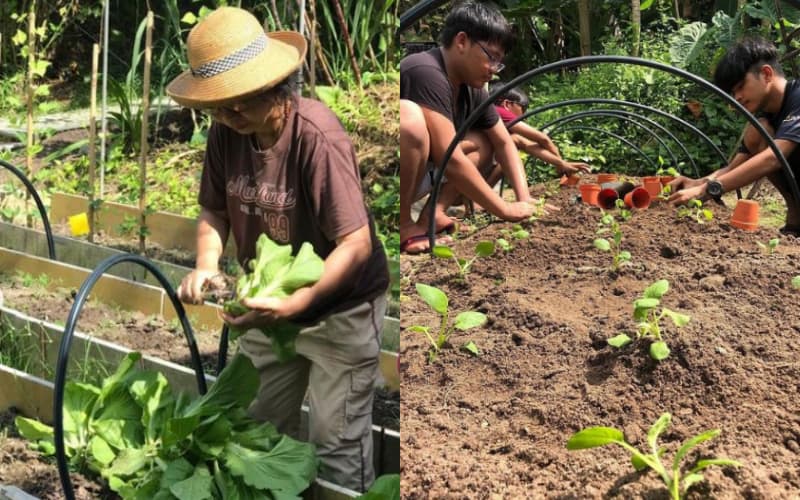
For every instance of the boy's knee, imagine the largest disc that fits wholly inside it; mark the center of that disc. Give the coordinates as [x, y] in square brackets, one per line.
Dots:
[413, 130]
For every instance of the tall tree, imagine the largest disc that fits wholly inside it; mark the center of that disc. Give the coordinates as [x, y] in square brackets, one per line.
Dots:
[584, 21]
[636, 26]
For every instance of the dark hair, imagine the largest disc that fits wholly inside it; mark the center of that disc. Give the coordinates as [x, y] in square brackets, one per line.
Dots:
[482, 22]
[514, 94]
[746, 56]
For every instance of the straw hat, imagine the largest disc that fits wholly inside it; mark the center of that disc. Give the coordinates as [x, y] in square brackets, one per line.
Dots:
[231, 57]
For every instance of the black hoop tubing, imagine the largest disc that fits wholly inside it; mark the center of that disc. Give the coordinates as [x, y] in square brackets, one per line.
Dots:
[612, 134]
[628, 117]
[413, 14]
[630, 104]
[66, 342]
[222, 352]
[51, 247]
[577, 61]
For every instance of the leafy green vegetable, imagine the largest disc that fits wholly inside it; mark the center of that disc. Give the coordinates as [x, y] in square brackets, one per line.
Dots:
[385, 487]
[276, 274]
[151, 444]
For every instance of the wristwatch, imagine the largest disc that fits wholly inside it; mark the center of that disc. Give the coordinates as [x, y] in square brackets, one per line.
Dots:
[714, 189]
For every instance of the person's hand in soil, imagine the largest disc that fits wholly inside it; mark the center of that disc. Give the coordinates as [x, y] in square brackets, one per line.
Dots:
[683, 196]
[193, 285]
[572, 167]
[268, 310]
[517, 211]
[683, 182]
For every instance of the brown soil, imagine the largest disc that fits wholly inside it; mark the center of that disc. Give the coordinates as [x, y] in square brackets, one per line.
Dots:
[495, 426]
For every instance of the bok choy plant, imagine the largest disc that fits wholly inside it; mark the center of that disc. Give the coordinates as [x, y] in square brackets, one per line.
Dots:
[275, 273]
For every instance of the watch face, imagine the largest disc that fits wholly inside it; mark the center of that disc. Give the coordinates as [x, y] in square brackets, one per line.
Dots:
[714, 188]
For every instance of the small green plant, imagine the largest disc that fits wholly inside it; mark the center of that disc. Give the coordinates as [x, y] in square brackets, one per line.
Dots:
[516, 232]
[668, 171]
[694, 210]
[624, 213]
[471, 348]
[438, 301]
[796, 282]
[538, 209]
[482, 249]
[677, 484]
[619, 256]
[646, 313]
[769, 247]
[666, 191]
[504, 245]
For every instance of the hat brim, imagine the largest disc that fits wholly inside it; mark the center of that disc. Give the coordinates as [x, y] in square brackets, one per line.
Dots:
[283, 55]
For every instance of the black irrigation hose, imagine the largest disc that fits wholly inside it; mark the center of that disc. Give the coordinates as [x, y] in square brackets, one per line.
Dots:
[615, 102]
[413, 14]
[612, 134]
[222, 353]
[66, 342]
[627, 117]
[577, 61]
[51, 247]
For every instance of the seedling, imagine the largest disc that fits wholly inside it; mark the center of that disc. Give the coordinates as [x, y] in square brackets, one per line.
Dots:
[770, 247]
[796, 282]
[668, 171]
[471, 348]
[517, 232]
[624, 213]
[538, 209]
[644, 311]
[504, 244]
[439, 303]
[609, 224]
[695, 210]
[665, 192]
[482, 249]
[677, 485]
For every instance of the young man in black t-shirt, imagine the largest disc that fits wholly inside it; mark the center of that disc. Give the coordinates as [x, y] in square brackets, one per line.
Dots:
[751, 73]
[439, 89]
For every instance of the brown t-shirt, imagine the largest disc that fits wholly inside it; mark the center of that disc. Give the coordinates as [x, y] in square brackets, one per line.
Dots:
[423, 79]
[304, 188]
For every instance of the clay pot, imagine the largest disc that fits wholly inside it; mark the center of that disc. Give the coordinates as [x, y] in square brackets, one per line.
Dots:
[652, 185]
[666, 179]
[569, 180]
[589, 193]
[745, 215]
[603, 178]
[610, 192]
[638, 198]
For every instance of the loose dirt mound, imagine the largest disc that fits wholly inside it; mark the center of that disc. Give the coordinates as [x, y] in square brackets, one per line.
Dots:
[497, 424]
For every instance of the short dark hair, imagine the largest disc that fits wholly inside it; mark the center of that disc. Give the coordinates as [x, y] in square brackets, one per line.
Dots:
[746, 56]
[514, 94]
[482, 22]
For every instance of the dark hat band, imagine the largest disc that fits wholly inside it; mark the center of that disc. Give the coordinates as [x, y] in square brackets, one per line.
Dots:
[223, 64]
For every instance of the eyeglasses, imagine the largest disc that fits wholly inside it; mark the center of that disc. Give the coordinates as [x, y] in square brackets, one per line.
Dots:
[523, 107]
[494, 64]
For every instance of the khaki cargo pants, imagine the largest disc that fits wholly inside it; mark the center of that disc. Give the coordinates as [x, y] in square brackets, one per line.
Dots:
[338, 363]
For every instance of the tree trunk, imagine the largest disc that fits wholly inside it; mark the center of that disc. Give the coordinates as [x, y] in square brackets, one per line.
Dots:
[584, 20]
[636, 26]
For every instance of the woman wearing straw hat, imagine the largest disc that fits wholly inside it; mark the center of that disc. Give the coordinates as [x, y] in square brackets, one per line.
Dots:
[280, 164]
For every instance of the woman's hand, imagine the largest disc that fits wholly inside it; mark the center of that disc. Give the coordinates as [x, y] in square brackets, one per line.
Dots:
[266, 311]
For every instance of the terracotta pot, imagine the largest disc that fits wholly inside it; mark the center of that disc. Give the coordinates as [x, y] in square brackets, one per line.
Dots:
[652, 185]
[638, 198]
[569, 180]
[603, 178]
[589, 193]
[666, 179]
[610, 192]
[745, 215]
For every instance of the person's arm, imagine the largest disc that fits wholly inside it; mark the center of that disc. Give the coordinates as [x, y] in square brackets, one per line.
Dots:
[537, 136]
[507, 155]
[341, 266]
[746, 170]
[212, 233]
[465, 176]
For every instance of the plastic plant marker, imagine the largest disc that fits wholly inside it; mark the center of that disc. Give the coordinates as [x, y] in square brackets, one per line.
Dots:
[79, 224]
